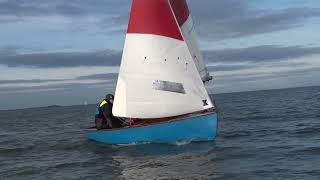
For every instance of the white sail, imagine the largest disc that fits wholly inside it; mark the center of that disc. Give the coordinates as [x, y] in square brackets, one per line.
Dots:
[150, 59]
[158, 75]
[187, 28]
[190, 37]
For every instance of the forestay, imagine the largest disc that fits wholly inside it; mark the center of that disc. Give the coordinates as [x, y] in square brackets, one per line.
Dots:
[158, 75]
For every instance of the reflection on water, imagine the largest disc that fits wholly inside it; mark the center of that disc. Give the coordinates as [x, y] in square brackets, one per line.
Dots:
[157, 161]
[154, 161]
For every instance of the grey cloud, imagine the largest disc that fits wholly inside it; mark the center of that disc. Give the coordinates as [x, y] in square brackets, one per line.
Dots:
[234, 18]
[253, 77]
[113, 7]
[215, 19]
[62, 7]
[296, 72]
[209, 10]
[234, 67]
[52, 86]
[230, 67]
[261, 81]
[246, 77]
[4, 20]
[19, 8]
[259, 54]
[92, 7]
[110, 77]
[70, 10]
[114, 20]
[62, 59]
[23, 81]
[104, 76]
[9, 50]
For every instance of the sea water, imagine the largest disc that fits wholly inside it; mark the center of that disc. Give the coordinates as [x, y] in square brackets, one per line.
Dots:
[272, 134]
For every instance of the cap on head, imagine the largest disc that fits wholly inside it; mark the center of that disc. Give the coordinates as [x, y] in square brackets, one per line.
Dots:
[109, 97]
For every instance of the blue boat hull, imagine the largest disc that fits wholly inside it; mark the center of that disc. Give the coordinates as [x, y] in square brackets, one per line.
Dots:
[196, 128]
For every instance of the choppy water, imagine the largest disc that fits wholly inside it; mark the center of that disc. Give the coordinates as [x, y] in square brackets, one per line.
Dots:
[262, 135]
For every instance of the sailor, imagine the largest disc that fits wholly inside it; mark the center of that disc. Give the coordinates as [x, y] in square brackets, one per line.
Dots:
[104, 117]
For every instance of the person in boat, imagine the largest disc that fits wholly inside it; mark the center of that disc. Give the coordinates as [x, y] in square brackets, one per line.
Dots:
[104, 118]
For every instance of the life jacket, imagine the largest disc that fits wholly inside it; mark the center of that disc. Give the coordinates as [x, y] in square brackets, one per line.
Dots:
[99, 108]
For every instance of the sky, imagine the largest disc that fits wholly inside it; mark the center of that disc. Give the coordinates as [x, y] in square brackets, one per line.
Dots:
[67, 52]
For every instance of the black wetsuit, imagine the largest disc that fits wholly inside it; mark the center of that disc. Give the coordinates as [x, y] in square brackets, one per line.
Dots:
[105, 114]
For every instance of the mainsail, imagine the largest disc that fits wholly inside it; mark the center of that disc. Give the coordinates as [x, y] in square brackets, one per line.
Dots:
[162, 71]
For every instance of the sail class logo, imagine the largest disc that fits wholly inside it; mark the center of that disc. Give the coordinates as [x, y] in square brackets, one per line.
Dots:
[205, 102]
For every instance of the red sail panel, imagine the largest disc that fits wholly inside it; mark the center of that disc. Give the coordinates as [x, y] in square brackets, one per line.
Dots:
[153, 17]
[181, 10]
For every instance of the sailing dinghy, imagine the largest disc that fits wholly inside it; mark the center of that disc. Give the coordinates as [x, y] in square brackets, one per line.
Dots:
[161, 80]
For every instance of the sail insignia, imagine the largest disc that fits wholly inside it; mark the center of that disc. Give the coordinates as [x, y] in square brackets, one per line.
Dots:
[168, 86]
[205, 102]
